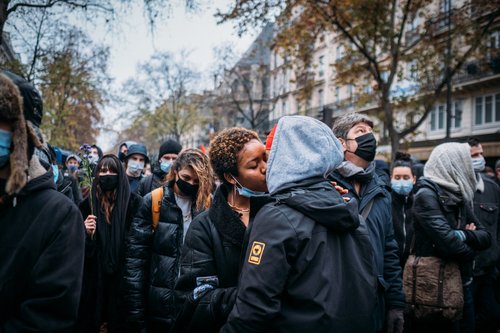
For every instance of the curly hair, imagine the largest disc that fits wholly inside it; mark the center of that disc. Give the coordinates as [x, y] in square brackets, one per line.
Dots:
[196, 159]
[224, 149]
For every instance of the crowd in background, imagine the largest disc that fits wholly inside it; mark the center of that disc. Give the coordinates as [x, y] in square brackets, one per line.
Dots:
[305, 232]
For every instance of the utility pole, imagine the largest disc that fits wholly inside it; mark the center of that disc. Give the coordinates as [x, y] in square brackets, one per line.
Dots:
[448, 70]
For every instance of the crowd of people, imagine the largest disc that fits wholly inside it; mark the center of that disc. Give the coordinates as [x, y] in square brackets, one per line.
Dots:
[304, 232]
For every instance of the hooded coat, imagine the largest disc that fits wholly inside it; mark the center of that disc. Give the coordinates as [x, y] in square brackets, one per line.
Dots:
[103, 288]
[41, 230]
[309, 265]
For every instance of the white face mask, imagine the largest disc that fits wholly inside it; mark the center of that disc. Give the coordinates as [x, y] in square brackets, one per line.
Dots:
[135, 168]
[93, 158]
[478, 164]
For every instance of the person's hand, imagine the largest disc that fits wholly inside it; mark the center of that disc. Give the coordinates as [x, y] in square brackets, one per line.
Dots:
[470, 226]
[341, 190]
[90, 225]
[395, 321]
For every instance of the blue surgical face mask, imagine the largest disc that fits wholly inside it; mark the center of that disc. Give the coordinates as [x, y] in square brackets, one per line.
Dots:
[165, 165]
[135, 168]
[55, 171]
[402, 187]
[246, 192]
[478, 164]
[72, 167]
[5, 143]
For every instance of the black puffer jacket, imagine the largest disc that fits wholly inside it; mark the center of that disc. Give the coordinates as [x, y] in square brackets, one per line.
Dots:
[304, 270]
[437, 214]
[151, 182]
[403, 224]
[42, 239]
[213, 249]
[487, 211]
[152, 264]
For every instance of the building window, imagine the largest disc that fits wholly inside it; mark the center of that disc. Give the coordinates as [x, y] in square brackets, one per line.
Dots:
[438, 116]
[321, 66]
[493, 45]
[284, 108]
[339, 52]
[487, 110]
[321, 97]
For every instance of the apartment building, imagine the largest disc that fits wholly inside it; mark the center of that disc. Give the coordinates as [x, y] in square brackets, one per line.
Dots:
[475, 94]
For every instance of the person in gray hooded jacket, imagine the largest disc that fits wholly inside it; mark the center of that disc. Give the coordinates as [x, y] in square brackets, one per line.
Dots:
[309, 264]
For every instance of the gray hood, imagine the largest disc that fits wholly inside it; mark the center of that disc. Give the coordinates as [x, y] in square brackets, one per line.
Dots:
[302, 148]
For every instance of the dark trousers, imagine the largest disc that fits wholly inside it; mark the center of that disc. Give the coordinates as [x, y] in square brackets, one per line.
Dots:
[487, 309]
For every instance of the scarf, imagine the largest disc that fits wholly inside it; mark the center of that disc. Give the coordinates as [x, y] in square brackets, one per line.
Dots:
[351, 171]
[450, 166]
[111, 237]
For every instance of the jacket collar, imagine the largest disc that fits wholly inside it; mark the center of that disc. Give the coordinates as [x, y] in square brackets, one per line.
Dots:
[226, 221]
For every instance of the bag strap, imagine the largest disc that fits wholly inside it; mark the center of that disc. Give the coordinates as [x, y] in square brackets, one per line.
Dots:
[367, 209]
[156, 199]
[414, 281]
[440, 300]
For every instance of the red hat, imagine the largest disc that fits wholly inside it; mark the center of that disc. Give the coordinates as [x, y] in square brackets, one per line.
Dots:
[270, 137]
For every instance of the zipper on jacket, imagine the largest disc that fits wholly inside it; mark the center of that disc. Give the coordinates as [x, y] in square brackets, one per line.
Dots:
[404, 225]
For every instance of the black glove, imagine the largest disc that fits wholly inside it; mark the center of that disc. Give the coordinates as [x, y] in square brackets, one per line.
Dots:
[395, 321]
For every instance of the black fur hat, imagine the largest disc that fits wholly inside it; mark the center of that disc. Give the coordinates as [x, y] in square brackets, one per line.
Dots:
[11, 111]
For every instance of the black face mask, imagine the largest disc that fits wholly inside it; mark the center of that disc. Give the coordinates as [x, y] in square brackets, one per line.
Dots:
[108, 182]
[367, 146]
[121, 156]
[186, 188]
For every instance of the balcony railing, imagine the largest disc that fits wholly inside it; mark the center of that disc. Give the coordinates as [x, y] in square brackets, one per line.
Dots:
[478, 69]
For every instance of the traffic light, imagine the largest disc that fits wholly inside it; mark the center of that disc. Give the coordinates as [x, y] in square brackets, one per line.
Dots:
[325, 115]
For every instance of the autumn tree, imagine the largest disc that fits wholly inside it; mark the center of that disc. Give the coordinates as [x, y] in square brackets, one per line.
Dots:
[73, 84]
[243, 91]
[154, 10]
[160, 100]
[381, 39]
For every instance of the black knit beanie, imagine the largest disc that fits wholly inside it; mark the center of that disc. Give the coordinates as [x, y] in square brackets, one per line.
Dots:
[169, 147]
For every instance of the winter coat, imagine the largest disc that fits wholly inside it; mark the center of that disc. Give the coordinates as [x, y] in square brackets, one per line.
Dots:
[152, 264]
[212, 252]
[437, 214]
[385, 247]
[308, 268]
[403, 224]
[42, 239]
[151, 182]
[309, 264]
[487, 211]
[101, 291]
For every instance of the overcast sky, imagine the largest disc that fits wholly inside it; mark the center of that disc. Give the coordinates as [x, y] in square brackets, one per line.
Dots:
[196, 32]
